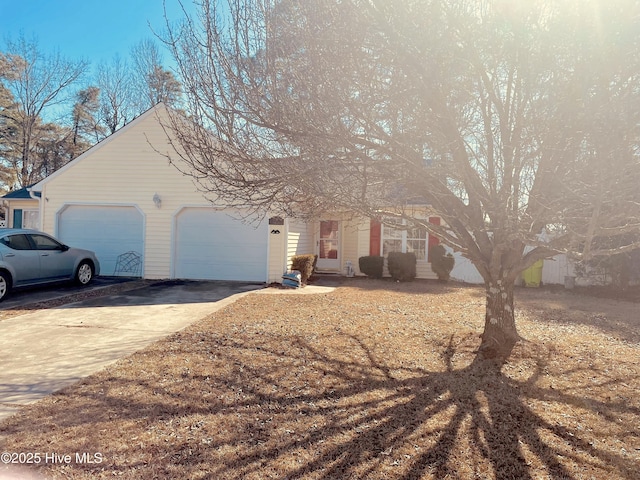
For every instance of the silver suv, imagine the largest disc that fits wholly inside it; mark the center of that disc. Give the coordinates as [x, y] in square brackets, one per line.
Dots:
[29, 257]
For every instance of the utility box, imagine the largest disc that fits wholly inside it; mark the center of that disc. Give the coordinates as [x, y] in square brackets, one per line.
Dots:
[532, 276]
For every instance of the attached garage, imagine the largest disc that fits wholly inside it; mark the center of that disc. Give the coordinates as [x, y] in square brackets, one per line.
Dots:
[211, 245]
[115, 233]
[144, 217]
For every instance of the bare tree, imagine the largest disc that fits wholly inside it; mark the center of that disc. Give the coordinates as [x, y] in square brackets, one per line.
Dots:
[8, 131]
[154, 83]
[37, 83]
[114, 79]
[509, 119]
[54, 147]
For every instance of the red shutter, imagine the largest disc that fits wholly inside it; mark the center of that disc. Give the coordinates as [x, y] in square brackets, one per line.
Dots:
[433, 240]
[375, 232]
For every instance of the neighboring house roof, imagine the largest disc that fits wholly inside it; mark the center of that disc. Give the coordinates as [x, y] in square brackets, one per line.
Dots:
[22, 193]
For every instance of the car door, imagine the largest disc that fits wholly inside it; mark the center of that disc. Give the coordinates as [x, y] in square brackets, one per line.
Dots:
[23, 259]
[56, 262]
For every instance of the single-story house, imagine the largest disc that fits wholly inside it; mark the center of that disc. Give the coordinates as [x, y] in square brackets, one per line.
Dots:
[21, 209]
[143, 217]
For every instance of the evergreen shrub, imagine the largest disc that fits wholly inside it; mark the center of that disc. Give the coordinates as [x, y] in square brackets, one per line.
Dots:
[441, 262]
[371, 265]
[402, 266]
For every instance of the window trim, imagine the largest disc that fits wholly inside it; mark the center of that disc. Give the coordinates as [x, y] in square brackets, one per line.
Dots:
[35, 211]
[404, 238]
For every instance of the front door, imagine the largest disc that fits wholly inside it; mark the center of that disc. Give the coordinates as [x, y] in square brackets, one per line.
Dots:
[329, 245]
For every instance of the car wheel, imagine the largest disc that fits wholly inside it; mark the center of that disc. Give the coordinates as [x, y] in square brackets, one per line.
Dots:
[5, 285]
[84, 274]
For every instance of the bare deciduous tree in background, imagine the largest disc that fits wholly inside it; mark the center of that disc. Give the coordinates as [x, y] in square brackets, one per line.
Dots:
[114, 79]
[507, 118]
[153, 81]
[36, 82]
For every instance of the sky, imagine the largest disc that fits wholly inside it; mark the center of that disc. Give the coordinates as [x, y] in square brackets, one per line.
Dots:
[93, 30]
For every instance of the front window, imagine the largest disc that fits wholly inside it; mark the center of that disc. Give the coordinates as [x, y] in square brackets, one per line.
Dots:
[392, 237]
[31, 219]
[396, 237]
[45, 243]
[417, 242]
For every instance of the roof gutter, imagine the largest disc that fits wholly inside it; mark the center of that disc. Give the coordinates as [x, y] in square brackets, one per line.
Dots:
[34, 194]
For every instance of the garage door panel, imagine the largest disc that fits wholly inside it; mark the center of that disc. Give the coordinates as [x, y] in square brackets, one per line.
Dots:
[110, 231]
[211, 245]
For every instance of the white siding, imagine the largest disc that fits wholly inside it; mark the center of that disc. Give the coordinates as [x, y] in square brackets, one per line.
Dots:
[300, 239]
[353, 232]
[128, 167]
[363, 242]
[277, 252]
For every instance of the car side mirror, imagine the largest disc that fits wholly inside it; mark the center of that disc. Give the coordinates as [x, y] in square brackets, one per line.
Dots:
[64, 248]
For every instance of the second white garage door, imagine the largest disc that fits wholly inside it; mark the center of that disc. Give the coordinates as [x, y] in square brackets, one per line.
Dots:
[211, 245]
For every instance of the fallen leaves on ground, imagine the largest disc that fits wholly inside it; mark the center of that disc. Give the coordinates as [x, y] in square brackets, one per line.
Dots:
[376, 380]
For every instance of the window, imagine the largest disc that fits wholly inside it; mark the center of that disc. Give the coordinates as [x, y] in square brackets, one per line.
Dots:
[392, 237]
[417, 242]
[16, 242]
[401, 239]
[26, 218]
[31, 219]
[45, 243]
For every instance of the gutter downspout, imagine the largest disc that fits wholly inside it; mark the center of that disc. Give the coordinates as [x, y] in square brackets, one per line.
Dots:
[34, 194]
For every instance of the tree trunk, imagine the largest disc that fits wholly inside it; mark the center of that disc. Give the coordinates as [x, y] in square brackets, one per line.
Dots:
[500, 334]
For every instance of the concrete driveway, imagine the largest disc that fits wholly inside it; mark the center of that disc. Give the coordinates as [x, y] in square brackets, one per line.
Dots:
[25, 296]
[48, 350]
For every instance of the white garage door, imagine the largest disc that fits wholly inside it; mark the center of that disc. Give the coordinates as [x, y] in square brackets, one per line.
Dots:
[211, 245]
[115, 233]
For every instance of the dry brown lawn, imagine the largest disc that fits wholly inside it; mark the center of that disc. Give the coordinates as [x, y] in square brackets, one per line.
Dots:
[376, 380]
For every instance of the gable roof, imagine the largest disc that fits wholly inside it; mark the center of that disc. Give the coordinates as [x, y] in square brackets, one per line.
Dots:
[37, 188]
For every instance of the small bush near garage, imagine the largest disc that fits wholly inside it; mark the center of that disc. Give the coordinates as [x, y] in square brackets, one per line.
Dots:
[371, 265]
[441, 262]
[402, 266]
[305, 264]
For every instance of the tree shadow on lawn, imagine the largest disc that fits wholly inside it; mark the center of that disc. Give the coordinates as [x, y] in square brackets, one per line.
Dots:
[282, 407]
[413, 427]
